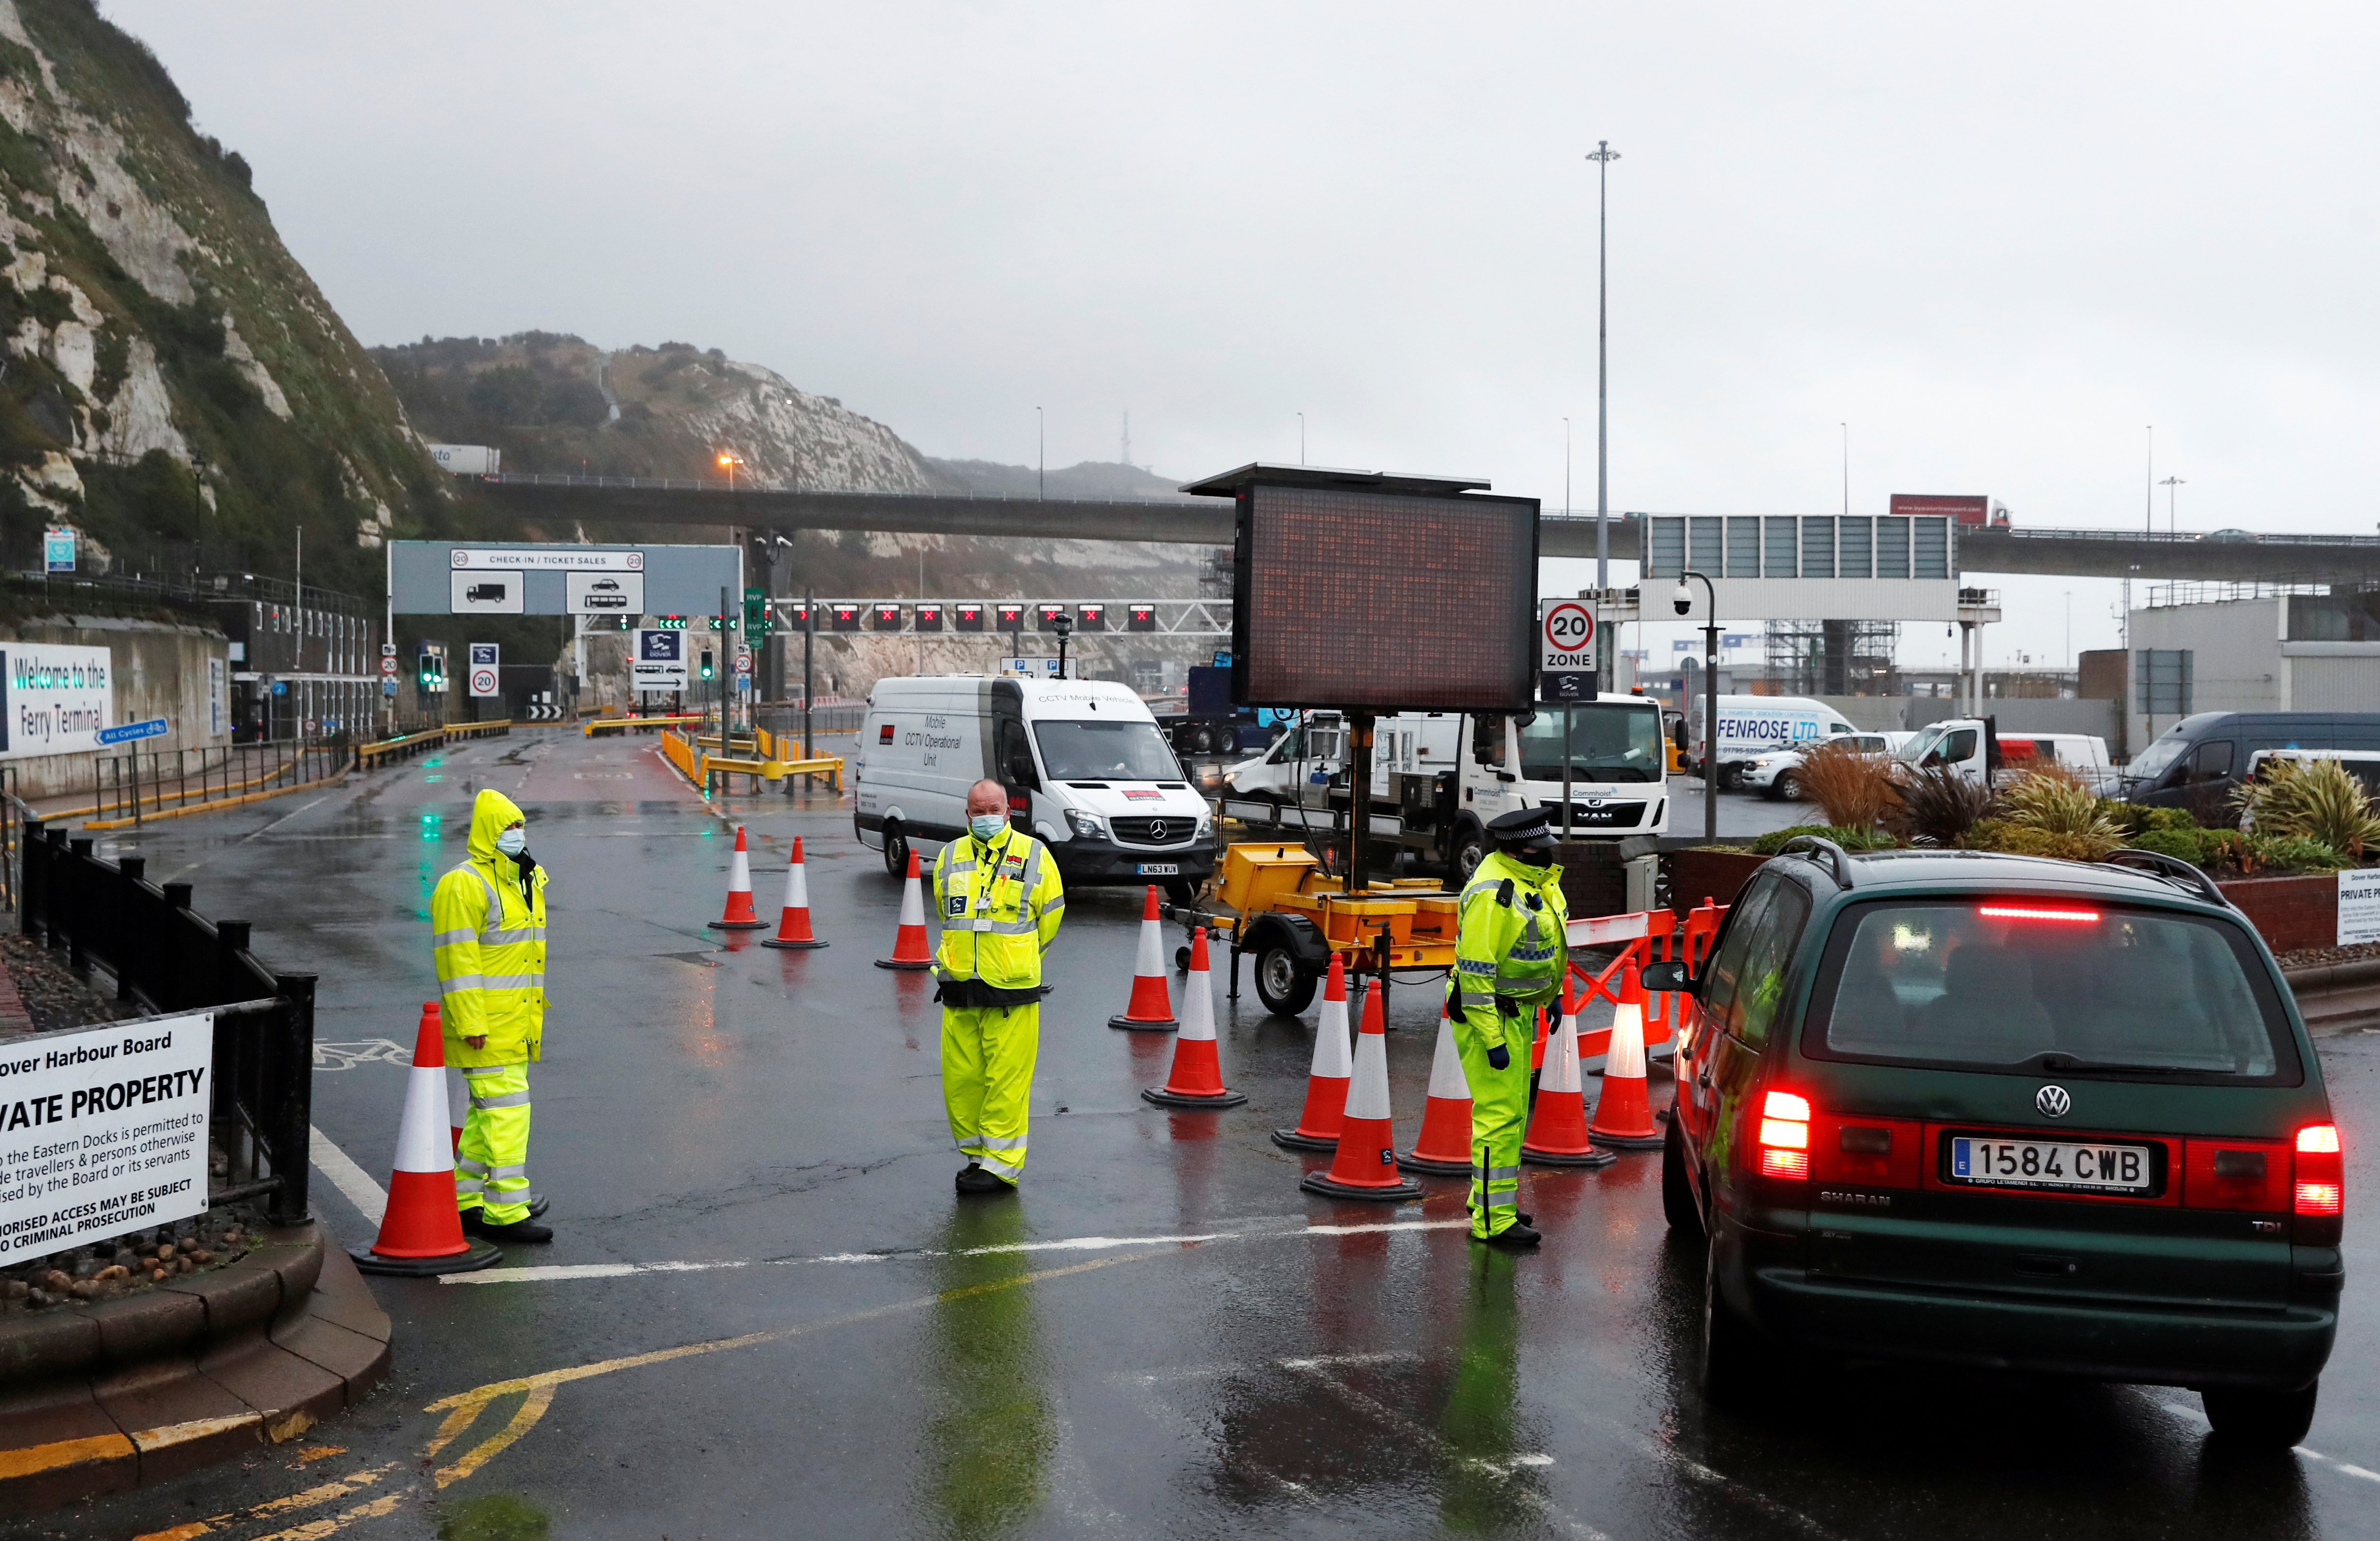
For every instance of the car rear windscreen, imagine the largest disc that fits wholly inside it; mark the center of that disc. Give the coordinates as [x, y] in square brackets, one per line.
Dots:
[2048, 985]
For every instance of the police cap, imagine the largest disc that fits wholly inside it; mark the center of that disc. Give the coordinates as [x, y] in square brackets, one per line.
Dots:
[1522, 829]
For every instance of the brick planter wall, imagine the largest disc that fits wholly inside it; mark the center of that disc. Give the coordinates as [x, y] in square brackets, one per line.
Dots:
[2290, 913]
[1698, 875]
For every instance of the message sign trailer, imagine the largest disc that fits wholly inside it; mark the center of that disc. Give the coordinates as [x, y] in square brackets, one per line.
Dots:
[103, 1130]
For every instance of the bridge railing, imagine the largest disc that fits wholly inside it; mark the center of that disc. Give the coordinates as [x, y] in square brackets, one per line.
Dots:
[682, 484]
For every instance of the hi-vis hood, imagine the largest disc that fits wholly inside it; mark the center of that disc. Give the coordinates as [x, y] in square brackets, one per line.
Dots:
[490, 815]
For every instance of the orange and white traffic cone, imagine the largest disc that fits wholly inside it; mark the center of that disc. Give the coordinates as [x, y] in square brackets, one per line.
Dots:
[1366, 1166]
[910, 949]
[1151, 1011]
[1326, 1082]
[420, 1232]
[1557, 1135]
[1198, 1077]
[739, 915]
[794, 920]
[1444, 1146]
[1624, 1114]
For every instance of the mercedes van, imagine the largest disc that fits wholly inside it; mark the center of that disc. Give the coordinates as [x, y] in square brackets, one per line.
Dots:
[1088, 773]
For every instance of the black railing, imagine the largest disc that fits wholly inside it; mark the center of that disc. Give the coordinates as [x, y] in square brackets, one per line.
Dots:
[166, 957]
[139, 781]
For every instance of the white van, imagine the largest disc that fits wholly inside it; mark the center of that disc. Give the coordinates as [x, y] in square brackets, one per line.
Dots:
[1087, 770]
[1749, 726]
[1966, 745]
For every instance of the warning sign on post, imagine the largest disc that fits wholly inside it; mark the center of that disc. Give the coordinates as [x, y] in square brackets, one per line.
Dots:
[103, 1130]
[1566, 659]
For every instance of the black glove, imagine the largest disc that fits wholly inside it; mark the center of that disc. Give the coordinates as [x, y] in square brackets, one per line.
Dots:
[1499, 1058]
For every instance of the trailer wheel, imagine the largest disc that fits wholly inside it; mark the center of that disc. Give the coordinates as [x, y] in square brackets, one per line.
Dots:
[1284, 984]
[1202, 739]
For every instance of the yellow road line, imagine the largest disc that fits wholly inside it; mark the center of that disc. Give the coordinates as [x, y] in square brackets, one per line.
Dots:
[309, 1499]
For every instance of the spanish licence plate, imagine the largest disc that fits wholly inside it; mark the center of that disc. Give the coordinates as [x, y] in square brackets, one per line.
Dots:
[1161, 870]
[2104, 1169]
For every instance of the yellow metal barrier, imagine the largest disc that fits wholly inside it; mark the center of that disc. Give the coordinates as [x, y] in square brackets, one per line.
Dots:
[605, 723]
[689, 759]
[368, 756]
[476, 730]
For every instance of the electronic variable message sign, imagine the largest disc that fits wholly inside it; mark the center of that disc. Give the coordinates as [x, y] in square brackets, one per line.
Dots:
[1376, 600]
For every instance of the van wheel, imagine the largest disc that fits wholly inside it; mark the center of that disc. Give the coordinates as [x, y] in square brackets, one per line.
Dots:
[1734, 1351]
[1677, 1194]
[1283, 984]
[896, 851]
[2259, 1420]
[1788, 787]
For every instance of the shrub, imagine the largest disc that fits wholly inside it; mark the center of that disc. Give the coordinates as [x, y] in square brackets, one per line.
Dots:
[2135, 819]
[1938, 807]
[2024, 840]
[2292, 854]
[1848, 838]
[2312, 800]
[2054, 802]
[1851, 788]
[2190, 845]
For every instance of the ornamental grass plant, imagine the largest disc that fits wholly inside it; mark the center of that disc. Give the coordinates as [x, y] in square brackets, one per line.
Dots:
[1851, 787]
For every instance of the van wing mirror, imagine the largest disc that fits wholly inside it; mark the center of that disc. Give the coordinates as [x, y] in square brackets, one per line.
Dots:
[1666, 976]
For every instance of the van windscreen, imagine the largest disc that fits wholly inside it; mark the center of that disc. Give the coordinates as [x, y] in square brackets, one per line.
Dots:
[2048, 986]
[1073, 750]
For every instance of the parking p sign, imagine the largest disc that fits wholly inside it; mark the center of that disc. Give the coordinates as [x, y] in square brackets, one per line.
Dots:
[483, 669]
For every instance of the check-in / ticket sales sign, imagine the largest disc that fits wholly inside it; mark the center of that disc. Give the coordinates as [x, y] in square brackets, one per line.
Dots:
[103, 1130]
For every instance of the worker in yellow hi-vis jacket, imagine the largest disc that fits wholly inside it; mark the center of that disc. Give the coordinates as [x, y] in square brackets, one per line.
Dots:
[488, 922]
[999, 900]
[1510, 951]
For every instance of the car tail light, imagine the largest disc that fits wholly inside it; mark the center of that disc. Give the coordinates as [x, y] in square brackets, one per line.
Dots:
[1784, 1141]
[1869, 1152]
[2320, 1184]
[2039, 912]
[2235, 1174]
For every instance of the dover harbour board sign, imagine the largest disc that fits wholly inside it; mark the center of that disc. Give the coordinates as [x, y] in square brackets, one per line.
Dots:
[103, 1130]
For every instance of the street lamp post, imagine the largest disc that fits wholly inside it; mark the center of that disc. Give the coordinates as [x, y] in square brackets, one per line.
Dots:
[2169, 484]
[198, 513]
[1603, 157]
[1681, 599]
[729, 463]
[1041, 439]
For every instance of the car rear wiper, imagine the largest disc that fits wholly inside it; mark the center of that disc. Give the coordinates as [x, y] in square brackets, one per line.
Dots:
[2068, 1062]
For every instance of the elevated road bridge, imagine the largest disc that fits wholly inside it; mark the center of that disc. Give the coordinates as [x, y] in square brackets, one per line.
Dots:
[554, 500]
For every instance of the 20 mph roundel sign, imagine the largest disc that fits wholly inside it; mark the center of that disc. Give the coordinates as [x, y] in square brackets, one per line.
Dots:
[1569, 636]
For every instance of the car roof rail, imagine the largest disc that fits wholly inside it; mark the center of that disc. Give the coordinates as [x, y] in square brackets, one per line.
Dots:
[1819, 846]
[2172, 869]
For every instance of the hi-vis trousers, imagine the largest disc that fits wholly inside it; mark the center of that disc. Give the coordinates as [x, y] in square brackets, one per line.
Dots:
[988, 1054]
[1500, 1117]
[491, 1164]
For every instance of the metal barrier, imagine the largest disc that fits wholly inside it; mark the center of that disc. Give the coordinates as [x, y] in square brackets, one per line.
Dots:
[373, 756]
[1648, 936]
[642, 724]
[166, 957]
[162, 782]
[480, 730]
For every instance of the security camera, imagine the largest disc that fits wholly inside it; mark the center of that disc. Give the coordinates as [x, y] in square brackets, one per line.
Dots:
[1682, 598]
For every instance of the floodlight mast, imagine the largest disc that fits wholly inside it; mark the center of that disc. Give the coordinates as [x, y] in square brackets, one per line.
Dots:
[1682, 600]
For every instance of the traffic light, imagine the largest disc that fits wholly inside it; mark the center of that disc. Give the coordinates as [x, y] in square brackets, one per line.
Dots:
[430, 673]
[671, 623]
[710, 665]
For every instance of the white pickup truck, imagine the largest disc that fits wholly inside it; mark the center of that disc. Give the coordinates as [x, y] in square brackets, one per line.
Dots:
[1977, 752]
[1778, 773]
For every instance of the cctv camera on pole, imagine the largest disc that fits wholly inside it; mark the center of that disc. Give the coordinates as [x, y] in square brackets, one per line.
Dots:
[1682, 600]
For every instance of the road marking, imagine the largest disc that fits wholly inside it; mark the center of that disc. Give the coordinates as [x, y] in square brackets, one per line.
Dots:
[309, 1499]
[346, 1176]
[550, 1273]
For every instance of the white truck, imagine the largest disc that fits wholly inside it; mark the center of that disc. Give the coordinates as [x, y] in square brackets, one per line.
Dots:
[1438, 778]
[1977, 751]
[1749, 726]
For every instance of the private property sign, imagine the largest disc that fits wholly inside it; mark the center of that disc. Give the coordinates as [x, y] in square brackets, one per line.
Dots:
[2358, 906]
[54, 701]
[103, 1130]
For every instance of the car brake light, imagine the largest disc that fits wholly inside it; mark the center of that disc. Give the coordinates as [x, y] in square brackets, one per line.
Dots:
[1784, 1135]
[2320, 1184]
[2035, 912]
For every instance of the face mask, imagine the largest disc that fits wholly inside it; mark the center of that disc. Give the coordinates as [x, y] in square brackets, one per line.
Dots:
[985, 825]
[511, 843]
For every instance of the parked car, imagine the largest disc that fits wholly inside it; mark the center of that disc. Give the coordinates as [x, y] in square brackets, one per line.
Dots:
[2007, 1113]
[1778, 773]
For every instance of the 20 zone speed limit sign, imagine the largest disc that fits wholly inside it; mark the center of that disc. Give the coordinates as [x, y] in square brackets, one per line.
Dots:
[1568, 637]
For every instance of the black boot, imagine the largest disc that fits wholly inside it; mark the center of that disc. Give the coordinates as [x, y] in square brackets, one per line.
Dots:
[1518, 1237]
[975, 1180]
[522, 1229]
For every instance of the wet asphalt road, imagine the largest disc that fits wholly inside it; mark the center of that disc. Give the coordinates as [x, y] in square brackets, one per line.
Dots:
[862, 1354]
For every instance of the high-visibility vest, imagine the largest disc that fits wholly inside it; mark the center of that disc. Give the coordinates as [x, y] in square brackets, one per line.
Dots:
[489, 939]
[998, 905]
[1511, 941]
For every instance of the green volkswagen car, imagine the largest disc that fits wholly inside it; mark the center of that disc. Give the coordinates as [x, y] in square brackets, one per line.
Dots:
[2002, 1112]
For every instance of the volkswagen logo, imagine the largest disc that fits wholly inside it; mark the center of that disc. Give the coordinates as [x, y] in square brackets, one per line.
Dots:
[1159, 829]
[2053, 1102]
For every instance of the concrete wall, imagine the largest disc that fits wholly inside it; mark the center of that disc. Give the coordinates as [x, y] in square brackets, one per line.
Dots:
[161, 671]
[2029, 714]
[2236, 663]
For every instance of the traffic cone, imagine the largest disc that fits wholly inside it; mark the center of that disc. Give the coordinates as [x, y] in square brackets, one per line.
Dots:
[1445, 1143]
[1151, 1011]
[1198, 1077]
[1557, 1135]
[910, 951]
[739, 915]
[1624, 1114]
[1326, 1082]
[420, 1232]
[1366, 1166]
[793, 921]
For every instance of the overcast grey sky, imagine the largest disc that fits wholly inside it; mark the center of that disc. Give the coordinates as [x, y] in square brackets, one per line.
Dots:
[1996, 241]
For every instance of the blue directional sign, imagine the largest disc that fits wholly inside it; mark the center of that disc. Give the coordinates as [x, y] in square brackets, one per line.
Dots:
[153, 728]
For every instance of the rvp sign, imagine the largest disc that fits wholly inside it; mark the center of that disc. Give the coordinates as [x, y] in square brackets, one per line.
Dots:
[1566, 659]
